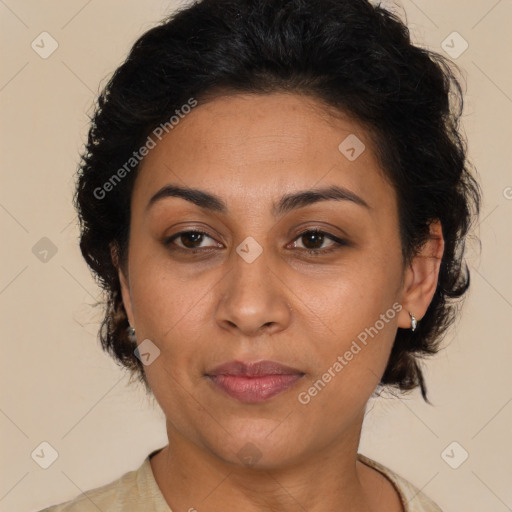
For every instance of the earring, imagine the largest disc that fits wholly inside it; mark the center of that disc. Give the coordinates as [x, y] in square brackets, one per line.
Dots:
[414, 322]
[131, 334]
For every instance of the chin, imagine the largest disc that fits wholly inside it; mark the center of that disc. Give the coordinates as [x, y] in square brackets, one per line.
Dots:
[262, 448]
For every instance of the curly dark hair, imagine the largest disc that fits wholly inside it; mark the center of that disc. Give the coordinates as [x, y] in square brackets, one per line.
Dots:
[351, 55]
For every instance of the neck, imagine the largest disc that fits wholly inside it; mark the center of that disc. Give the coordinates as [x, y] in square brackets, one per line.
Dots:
[192, 477]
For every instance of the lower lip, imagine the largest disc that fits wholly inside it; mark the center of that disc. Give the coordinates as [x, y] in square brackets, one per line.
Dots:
[254, 389]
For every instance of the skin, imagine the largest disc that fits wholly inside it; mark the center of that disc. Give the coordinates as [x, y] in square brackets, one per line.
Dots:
[300, 310]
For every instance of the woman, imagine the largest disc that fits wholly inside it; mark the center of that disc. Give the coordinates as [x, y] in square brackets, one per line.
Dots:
[275, 197]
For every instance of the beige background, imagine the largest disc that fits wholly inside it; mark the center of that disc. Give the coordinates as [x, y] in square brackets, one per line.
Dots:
[58, 386]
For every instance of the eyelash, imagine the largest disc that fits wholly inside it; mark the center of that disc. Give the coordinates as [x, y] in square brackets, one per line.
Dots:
[312, 252]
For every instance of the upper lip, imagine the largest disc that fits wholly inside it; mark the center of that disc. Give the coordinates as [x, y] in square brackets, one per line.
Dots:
[253, 369]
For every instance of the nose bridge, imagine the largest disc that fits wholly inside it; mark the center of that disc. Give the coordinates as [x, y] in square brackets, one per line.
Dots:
[252, 252]
[251, 262]
[251, 296]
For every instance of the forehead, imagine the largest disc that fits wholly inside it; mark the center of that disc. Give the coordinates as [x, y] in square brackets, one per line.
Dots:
[239, 146]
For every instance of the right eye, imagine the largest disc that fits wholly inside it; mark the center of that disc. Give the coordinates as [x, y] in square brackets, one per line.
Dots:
[188, 240]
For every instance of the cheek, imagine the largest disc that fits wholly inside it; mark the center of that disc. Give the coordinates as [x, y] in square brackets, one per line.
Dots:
[348, 364]
[354, 295]
[167, 307]
[359, 313]
[170, 313]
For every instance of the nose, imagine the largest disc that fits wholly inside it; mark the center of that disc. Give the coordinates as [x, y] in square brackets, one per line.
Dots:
[253, 299]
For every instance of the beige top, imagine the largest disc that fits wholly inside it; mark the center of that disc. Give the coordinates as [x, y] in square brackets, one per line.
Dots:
[138, 491]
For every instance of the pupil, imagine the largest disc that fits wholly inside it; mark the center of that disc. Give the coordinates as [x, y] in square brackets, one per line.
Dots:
[313, 235]
[197, 236]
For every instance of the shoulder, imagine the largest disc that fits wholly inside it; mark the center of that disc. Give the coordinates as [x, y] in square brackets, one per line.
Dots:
[135, 490]
[106, 498]
[413, 499]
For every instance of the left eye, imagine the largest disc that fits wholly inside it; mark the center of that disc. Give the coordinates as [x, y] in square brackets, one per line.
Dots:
[316, 237]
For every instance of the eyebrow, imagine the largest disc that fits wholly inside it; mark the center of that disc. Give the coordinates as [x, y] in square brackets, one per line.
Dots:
[286, 203]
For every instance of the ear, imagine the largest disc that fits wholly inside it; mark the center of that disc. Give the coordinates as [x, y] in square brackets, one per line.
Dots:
[124, 283]
[421, 276]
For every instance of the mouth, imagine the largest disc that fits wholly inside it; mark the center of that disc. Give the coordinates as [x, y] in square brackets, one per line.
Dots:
[253, 382]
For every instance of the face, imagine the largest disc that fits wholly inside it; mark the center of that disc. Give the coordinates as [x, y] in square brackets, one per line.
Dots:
[299, 282]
